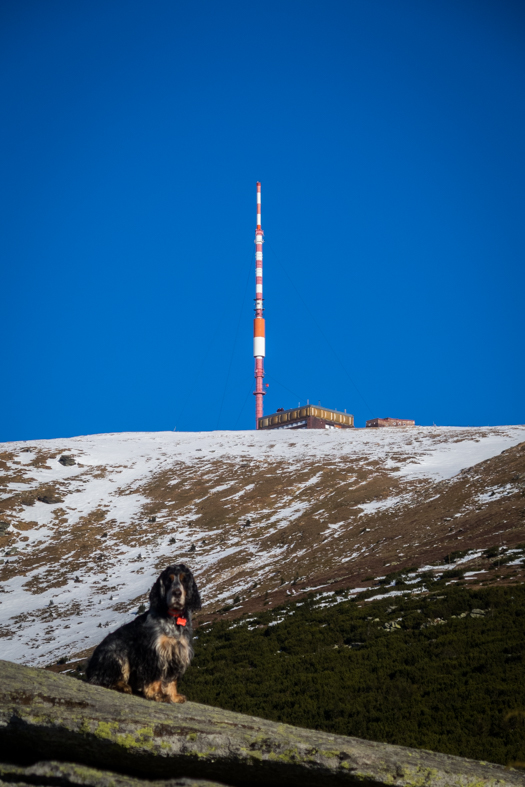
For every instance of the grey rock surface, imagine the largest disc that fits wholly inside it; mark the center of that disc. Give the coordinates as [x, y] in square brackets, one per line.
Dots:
[67, 461]
[69, 773]
[49, 499]
[45, 716]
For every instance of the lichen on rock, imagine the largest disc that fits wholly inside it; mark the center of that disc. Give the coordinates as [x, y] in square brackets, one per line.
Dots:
[87, 735]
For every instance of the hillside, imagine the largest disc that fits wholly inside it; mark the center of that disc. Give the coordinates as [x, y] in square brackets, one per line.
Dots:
[441, 670]
[259, 517]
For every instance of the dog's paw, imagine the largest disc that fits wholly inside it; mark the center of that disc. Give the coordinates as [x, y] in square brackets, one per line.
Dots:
[171, 694]
[172, 698]
[123, 687]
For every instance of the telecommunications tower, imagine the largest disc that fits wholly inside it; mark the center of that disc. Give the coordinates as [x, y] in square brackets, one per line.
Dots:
[258, 323]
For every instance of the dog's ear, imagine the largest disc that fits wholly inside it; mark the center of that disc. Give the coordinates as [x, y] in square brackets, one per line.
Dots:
[193, 599]
[157, 594]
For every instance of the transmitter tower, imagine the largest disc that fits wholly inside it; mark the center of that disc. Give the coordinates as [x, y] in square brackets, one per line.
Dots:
[259, 341]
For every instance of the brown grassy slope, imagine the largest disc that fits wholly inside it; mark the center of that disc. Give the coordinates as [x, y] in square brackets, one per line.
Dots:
[279, 528]
[436, 519]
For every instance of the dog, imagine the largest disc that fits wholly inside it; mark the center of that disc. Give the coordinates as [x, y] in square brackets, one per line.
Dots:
[149, 655]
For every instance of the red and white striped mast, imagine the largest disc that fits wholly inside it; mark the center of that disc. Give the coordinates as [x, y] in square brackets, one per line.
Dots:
[259, 349]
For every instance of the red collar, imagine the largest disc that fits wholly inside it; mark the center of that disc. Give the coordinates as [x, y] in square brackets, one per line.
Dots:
[174, 613]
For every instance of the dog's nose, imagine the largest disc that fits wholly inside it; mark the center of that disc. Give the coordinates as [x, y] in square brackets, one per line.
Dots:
[177, 592]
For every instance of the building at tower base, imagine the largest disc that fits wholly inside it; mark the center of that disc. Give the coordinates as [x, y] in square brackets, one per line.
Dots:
[390, 422]
[307, 417]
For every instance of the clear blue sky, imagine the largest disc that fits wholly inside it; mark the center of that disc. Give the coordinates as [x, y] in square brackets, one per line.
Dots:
[389, 136]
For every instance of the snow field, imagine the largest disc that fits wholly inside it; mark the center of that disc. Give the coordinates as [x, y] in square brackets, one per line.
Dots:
[46, 614]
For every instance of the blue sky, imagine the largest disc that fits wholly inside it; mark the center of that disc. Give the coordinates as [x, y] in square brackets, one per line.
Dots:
[389, 139]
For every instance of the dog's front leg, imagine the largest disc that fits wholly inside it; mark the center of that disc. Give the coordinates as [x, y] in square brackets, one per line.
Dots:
[153, 691]
[171, 694]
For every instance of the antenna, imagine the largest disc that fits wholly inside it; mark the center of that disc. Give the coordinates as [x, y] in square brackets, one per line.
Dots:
[259, 342]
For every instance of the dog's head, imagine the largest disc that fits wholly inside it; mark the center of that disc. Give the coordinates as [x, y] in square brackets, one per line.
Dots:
[175, 591]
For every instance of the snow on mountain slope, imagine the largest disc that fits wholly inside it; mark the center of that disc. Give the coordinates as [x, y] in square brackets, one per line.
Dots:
[249, 512]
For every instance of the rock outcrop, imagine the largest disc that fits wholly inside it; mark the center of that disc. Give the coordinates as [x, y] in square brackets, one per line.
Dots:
[55, 730]
[70, 774]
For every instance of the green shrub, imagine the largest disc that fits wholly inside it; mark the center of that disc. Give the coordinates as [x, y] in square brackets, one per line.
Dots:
[453, 573]
[457, 555]
[503, 560]
[392, 577]
[451, 687]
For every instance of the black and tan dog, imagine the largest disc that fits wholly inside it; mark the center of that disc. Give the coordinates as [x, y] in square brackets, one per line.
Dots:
[149, 655]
